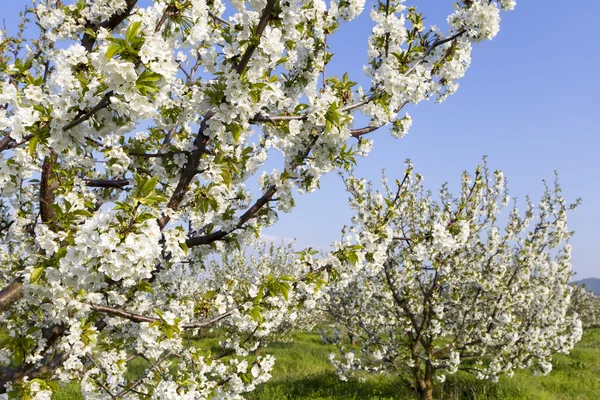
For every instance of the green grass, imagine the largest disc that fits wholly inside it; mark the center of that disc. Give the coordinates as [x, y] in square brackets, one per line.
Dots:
[303, 371]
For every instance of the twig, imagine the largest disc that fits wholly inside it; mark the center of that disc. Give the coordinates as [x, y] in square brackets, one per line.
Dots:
[141, 378]
[105, 101]
[158, 155]
[219, 19]
[140, 318]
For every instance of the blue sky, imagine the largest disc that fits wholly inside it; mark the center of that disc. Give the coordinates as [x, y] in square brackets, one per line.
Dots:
[529, 102]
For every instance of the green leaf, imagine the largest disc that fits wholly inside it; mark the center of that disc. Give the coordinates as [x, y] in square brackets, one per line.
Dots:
[90, 32]
[61, 253]
[145, 286]
[203, 205]
[33, 145]
[36, 274]
[33, 329]
[236, 131]
[146, 82]
[184, 247]
[255, 313]
[153, 199]
[148, 186]
[133, 31]
[52, 385]
[121, 205]
[112, 50]
[144, 216]
[300, 107]
[81, 213]
[19, 355]
[149, 76]
[169, 331]
[284, 288]
[226, 175]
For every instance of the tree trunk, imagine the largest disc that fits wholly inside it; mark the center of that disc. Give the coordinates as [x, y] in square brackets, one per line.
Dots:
[424, 382]
[426, 390]
[352, 339]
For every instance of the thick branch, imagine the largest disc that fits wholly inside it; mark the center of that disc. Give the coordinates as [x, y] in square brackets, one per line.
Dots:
[262, 24]
[47, 188]
[107, 183]
[110, 24]
[189, 171]
[276, 118]
[49, 367]
[4, 142]
[254, 209]
[249, 214]
[52, 360]
[10, 294]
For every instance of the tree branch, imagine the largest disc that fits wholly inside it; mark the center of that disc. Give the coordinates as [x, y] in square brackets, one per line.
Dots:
[11, 293]
[123, 314]
[219, 19]
[88, 40]
[140, 318]
[262, 24]
[159, 155]
[357, 133]
[201, 141]
[254, 209]
[368, 99]
[141, 378]
[189, 171]
[108, 183]
[47, 188]
[104, 102]
[8, 143]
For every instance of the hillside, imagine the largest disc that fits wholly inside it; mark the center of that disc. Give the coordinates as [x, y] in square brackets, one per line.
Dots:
[591, 284]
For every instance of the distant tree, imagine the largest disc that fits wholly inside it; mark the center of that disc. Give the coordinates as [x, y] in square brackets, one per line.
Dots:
[128, 134]
[446, 286]
[586, 305]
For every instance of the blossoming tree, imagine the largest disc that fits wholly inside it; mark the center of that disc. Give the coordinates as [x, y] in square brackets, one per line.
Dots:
[457, 288]
[128, 133]
[587, 306]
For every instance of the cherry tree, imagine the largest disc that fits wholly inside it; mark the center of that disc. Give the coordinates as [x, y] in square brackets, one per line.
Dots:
[129, 135]
[587, 306]
[455, 284]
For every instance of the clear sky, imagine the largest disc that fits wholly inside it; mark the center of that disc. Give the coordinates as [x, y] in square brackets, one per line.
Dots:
[529, 102]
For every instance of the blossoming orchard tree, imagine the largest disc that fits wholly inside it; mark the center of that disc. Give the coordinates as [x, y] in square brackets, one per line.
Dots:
[456, 288]
[587, 306]
[129, 132]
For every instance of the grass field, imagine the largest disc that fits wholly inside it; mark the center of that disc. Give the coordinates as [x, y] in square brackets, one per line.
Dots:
[303, 371]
